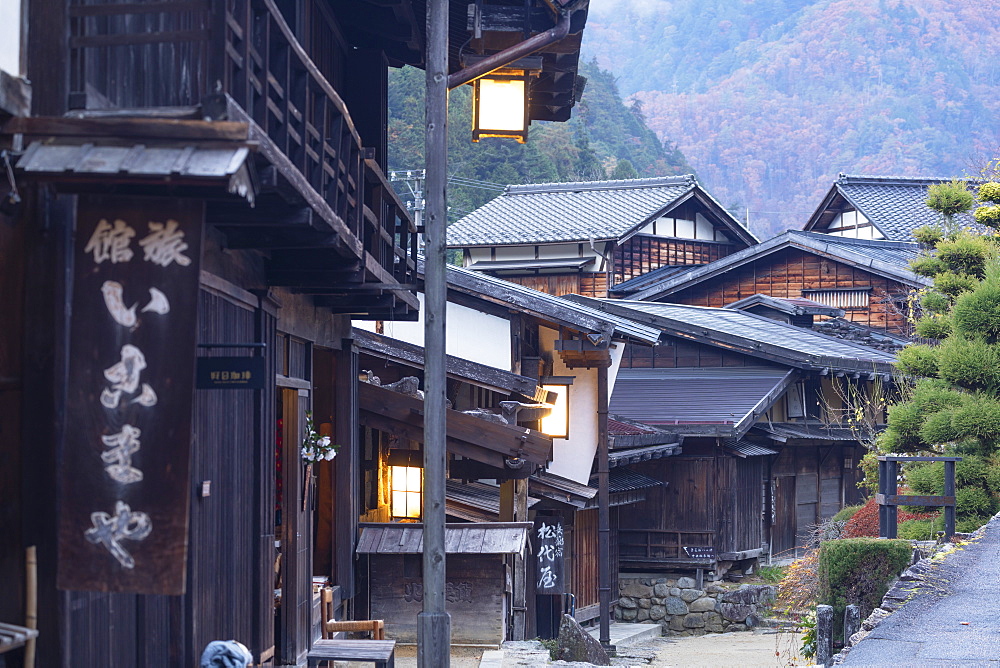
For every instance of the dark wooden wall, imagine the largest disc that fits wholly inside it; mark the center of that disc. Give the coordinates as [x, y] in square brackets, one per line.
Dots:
[642, 254]
[810, 484]
[685, 503]
[787, 273]
[740, 498]
[683, 354]
[584, 578]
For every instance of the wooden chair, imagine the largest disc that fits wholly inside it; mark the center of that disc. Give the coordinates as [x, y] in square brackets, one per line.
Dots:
[330, 626]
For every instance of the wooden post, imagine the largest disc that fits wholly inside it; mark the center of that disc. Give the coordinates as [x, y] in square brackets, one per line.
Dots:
[883, 475]
[520, 568]
[949, 490]
[603, 510]
[891, 488]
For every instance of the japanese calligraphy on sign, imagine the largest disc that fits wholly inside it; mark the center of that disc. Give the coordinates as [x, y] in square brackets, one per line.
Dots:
[124, 479]
[548, 543]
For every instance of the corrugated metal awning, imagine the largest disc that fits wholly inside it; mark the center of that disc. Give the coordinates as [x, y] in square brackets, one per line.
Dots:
[178, 165]
[478, 538]
[559, 489]
[742, 448]
[723, 402]
[783, 432]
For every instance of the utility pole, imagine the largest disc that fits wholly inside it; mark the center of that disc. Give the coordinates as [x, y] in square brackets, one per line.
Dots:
[414, 180]
[434, 623]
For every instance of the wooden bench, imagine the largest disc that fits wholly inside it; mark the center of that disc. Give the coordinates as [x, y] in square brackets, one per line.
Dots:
[379, 652]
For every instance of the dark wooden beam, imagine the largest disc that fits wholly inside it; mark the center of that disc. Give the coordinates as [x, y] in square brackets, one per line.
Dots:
[145, 128]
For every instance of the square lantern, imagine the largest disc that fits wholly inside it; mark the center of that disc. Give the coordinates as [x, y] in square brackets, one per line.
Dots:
[556, 423]
[405, 484]
[500, 106]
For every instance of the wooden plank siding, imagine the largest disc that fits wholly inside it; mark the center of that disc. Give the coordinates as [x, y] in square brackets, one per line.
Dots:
[741, 503]
[585, 560]
[589, 284]
[642, 254]
[683, 354]
[793, 273]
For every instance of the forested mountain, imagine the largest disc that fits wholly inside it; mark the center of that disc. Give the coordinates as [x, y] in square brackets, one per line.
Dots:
[605, 139]
[771, 99]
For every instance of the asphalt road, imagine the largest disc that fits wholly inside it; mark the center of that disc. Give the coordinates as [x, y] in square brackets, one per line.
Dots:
[952, 620]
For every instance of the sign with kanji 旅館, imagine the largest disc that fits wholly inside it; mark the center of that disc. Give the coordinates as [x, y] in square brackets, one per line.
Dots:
[123, 485]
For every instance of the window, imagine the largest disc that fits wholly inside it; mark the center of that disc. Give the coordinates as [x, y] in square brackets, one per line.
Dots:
[406, 483]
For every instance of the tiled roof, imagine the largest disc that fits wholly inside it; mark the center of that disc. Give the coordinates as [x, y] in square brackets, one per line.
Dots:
[514, 295]
[886, 258]
[751, 333]
[789, 305]
[561, 212]
[895, 205]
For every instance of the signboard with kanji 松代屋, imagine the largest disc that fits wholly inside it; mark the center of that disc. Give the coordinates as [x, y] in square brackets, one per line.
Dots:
[548, 544]
[123, 484]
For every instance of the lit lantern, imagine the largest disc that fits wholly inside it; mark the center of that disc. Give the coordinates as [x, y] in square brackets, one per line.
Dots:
[405, 483]
[556, 424]
[500, 106]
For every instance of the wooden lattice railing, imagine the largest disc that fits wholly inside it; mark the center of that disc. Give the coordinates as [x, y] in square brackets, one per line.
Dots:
[658, 544]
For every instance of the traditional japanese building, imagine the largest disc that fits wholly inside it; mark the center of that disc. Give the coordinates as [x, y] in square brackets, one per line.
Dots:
[198, 207]
[761, 408]
[586, 238]
[878, 207]
[870, 280]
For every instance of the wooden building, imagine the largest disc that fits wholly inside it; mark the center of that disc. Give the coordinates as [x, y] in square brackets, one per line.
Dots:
[585, 238]
[878, 207]
[200, 188]
[570, 350]
[870, 281]
[759, 407]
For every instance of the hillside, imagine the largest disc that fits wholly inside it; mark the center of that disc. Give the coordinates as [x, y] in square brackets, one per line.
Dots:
[771, 99]
[605, 139]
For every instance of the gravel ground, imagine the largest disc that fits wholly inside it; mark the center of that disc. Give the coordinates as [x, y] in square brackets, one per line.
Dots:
[739, 650]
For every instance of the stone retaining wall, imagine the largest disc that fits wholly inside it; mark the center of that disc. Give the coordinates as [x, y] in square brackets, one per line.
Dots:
[683, 610]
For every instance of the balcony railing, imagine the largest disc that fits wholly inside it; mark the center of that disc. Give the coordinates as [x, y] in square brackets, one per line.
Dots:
[658, 545]
[172, 53]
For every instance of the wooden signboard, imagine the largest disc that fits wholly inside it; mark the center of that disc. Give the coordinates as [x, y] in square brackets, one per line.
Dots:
[230, 373]
[124, 486]
[548, 543]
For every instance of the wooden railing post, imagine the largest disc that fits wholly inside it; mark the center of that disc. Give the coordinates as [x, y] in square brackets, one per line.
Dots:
[949, 490]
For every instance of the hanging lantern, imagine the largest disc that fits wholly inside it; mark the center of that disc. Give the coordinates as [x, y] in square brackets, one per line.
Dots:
[500, 106]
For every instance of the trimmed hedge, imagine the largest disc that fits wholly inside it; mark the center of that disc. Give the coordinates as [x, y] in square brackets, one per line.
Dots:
[859, 571]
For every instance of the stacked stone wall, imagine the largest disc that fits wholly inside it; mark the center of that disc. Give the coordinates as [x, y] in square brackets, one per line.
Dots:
[681, 609]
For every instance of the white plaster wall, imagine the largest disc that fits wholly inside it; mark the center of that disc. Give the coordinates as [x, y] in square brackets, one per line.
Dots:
[573, 457]
[469, 334]
[562, 250]
[10, 36]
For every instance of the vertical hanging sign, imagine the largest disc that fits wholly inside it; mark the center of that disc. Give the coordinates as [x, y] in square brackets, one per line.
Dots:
[547, 539]
[124, 486]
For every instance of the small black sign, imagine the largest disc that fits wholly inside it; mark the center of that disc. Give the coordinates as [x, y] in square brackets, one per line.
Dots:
[548, 541]
[230, 373]
[700, 552]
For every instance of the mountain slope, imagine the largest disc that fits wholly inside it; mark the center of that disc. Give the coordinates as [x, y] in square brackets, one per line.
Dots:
[784, 95]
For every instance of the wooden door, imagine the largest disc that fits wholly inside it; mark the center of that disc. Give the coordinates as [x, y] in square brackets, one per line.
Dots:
[783, 521]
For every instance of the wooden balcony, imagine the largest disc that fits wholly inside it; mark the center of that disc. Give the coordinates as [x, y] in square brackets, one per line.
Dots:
[655, 549]
[325, 213]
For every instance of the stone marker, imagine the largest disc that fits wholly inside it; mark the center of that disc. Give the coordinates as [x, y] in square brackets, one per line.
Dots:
[852, 622]
[824, 634]
[575, 644]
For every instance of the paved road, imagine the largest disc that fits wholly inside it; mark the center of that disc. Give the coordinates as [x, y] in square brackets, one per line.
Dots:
[929, 631]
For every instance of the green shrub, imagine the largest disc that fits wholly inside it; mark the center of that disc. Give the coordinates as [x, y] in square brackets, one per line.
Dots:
[950, 198]
[917, 529]
[953, 284]
[938, 428]
[858, 571]
[935, 302]
[987, 215]
[917, 360]
[966, 254]
[926, 478]
[990, 192]
[927, 265]
[977, 418]
[977, 313]
[973, 503]
[934, 327]
[971, 363]
[846, 513]
[928, 235]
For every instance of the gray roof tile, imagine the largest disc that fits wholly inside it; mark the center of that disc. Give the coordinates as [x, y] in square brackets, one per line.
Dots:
[565, 212]
[895, 205]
